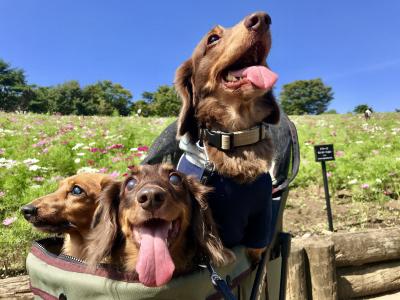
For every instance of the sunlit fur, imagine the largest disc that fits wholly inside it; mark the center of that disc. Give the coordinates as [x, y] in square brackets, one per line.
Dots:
[120, 212]
[62, 206]
[206, 101]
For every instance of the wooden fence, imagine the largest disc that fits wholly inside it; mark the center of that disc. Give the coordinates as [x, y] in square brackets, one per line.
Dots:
[344, 265]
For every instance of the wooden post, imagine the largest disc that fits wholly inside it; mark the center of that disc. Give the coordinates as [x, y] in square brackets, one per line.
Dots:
[297, 282]
[321, 262]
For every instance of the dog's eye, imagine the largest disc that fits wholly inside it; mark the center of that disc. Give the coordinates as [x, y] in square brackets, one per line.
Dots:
[175, 179]
[130, 184]
[76, 190]
[212, 39]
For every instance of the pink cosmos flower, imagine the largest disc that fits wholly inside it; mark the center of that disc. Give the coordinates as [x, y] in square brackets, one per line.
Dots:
[8, 221]
[103, 170]
[116, 146]
[2, 194]
[143, 148]
[328, 174]
[38, 179]
[339, 153]
[116, 159]
[365, 186]
[114, 174]
[94, 150]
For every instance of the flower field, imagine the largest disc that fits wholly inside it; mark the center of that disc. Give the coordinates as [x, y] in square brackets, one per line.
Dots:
[36, 151]
[367, 153]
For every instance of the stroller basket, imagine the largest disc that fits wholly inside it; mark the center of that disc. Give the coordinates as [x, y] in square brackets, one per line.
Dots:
[56, 276]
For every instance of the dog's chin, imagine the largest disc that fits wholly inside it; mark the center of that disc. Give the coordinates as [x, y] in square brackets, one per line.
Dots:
[48, 227]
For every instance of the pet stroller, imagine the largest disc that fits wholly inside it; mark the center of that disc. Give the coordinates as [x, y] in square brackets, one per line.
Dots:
[57, 276]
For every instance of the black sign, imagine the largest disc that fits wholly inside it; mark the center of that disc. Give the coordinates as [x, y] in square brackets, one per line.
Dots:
[324, 152]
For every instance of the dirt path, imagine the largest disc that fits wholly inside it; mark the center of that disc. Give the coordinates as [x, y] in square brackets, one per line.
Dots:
[305, 213]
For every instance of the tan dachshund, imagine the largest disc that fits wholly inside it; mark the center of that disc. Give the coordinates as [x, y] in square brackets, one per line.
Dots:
[68, 210]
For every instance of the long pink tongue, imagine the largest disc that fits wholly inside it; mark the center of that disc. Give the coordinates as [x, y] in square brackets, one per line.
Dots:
[154, 266]
[260, 76]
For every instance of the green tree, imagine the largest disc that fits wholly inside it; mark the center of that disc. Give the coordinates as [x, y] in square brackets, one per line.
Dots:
[164, 102]
[141, 108]
[305, 97]
[64, 97]
[41, 101]
[105, 98]
[360, 109]
[330, 112]
[13, 88]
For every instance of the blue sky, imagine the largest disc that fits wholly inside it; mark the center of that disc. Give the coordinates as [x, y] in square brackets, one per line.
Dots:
[353, 45]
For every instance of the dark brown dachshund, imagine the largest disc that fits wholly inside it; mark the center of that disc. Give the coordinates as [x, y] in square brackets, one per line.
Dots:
[68, 210]
[165, 223]
[226, 87]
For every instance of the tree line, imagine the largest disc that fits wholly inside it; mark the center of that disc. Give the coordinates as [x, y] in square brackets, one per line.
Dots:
[107, 98]
[101, 98]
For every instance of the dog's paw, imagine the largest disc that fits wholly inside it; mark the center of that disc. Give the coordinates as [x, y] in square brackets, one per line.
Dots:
[255, 254]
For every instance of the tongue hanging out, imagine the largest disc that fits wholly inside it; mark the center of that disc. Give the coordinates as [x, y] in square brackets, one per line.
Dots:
[154, 266]
[259, 76]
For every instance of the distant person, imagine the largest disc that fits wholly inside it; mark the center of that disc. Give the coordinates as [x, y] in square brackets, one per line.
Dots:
[368, 113]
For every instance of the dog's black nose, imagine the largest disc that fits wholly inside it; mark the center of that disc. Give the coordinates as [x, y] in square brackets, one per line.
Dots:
[29, 211]
[151, 198]
[258, 21]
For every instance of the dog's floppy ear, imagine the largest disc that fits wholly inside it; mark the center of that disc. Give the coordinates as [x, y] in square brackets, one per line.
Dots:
[184, 86]
[104, 224]
[274, 116]
[204, 228]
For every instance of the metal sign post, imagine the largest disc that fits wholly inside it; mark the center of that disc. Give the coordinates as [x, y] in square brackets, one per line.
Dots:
[325, 153]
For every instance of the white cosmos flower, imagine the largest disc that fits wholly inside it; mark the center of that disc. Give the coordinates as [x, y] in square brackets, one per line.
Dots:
[30, 161]
[77, 146]
[87, 170]
[34, 168]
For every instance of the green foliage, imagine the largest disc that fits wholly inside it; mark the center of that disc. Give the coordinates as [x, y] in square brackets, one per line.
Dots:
[141, 108]
[101, 98]
[330, 112]
[12, 88]
[163, 102]
[361, 108]
[305, 97]
[367, 156]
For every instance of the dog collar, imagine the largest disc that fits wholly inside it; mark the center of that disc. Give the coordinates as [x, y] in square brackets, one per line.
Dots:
[229, 140]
